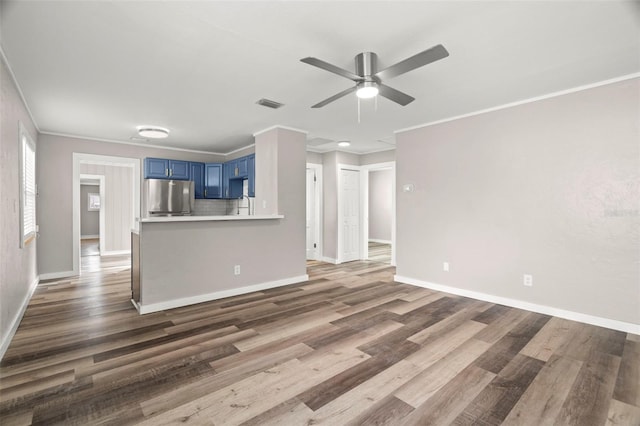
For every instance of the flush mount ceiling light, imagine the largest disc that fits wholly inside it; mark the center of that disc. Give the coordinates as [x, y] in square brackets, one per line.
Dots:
[344, 143]
[153, 132]
[367, 90]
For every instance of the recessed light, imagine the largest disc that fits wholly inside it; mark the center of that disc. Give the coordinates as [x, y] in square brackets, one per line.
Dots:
[344, 143]
[153, 132]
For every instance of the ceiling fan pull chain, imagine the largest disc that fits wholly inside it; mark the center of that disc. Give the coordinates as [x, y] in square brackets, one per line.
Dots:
[376, 103]
[358, 110]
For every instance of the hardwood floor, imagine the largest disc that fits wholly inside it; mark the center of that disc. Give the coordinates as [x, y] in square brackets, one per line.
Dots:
[380, 252]
[90, 247]
[348, 347]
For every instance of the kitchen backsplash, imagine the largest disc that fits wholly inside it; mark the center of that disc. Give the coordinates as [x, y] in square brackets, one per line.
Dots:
[210, 207]
[221, 207]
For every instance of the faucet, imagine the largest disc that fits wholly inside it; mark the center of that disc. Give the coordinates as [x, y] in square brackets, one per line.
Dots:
[248, 204]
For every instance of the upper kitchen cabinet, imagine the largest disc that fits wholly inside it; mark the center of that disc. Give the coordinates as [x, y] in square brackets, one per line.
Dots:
[251, 165]
[156, 168]
[213, 180]
[234, 172]
[238, 168]
[196, 172]
[179, 170]
[160, 168]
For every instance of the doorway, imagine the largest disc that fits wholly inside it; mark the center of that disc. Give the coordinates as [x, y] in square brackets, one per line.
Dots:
[92, 220]
[314, 211]
[119, 203]
[379, 224]
[380, 214]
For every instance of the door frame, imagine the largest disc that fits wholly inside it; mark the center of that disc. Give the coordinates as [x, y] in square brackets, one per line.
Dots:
[340, 167]
[365, 203]
[79, 158]
[317, 168]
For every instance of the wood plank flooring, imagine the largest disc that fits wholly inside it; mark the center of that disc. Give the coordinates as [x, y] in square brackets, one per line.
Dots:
[379, 252]
[348, 347]
[90, 247]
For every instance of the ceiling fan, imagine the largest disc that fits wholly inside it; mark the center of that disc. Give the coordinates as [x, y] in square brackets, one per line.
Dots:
[369, 80]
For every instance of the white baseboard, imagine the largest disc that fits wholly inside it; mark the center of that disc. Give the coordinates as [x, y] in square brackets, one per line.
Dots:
[115, 252]
[330, 260]
[6, 339]
[89, 237]
[135, 305]
[56, 275]
[520, 304]
[177, 303]
[375, 240]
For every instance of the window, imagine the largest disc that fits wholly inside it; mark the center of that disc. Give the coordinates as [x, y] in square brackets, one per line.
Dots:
[27, 187]
[93, 202]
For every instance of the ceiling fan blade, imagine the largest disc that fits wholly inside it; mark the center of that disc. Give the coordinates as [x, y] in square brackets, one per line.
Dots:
[416, 61]
[335, 97]
[395, 95]
[331, 68]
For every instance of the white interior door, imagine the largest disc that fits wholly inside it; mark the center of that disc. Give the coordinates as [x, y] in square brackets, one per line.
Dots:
[350, 199]
[312, 238]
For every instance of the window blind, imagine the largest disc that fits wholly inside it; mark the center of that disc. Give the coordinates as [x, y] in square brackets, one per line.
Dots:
[28, 188]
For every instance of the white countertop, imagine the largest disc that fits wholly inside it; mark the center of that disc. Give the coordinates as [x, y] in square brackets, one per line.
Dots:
[207, 218]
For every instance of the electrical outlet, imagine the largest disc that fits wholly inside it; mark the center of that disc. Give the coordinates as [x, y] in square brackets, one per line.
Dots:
[264, 204]
[527, 280]
[236, 270]
[445, 266]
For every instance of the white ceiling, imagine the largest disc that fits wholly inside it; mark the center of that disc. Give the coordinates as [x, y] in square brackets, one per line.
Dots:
[99, 69]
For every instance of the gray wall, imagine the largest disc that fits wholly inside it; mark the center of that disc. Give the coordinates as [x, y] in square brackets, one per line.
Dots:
[380, 204]
[18, 271]
[117, 204]
[330, 205]
[266, 191]
[378, 157]
[89, 220]
[314, 157]
[54, 160]
[549, 188]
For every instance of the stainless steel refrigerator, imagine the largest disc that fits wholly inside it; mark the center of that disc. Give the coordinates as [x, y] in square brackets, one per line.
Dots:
[169, 197]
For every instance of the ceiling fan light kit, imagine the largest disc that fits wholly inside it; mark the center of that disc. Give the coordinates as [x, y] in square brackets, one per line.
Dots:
[344, 143]
[153, 132]
[367, 90]
[369, 80]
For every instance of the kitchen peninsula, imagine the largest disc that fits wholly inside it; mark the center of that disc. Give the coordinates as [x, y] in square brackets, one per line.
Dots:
[183, 260]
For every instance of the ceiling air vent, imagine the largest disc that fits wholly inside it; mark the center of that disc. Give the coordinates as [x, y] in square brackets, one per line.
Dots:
[269, 103]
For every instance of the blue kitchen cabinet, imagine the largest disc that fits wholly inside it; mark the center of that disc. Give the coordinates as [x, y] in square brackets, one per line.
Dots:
[161, 168]
[235, 188]
[238, 168]
[251, 173]
[226, 167]
[156, 168]
[235, 172]
[242, 168]
[213, 182]
[179, 170]
[196, 172]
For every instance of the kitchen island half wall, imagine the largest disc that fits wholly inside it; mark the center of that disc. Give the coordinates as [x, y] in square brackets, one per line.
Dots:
[194, 259]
